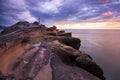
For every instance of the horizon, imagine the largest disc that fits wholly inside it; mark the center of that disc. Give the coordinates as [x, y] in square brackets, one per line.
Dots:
[91, 25]
[66, 14]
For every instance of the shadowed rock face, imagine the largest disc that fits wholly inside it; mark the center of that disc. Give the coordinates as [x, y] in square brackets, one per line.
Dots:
[63, 71]
[73, 42]
[86, 63]
[72, 57]
[69, 41]
[36, 23]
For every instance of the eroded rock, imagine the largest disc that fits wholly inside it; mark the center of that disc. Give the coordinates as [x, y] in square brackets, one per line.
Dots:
[72, 57]
[63, 71]
[69, 41]
[55, 57]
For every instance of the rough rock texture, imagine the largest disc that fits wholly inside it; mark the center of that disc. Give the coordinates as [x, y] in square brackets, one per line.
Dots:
[65, 63]
[63, 71]
[69, 41]
[64, 34]
[45, 57]
[60, 34]
[71, 56]
[86, 63]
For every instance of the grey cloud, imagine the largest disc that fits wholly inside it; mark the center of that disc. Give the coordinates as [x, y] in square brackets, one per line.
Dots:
[68, 10]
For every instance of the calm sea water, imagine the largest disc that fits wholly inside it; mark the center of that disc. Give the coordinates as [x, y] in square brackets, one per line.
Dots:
[104, 47]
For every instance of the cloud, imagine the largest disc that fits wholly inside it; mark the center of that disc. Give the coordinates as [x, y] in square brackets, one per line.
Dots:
[50, 6]
[55, 11]
[26, 16]
[9, 11]
[107, 13]
[12, 11]
[62, 9]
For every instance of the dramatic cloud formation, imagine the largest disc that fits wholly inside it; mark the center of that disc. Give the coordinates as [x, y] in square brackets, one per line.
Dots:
[59, 11]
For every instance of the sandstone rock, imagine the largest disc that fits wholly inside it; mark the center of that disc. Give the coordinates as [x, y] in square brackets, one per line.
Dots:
[73, 57]
[85, 62]
[63, 71]
[25, 23]
[53, 34]
[54, 28]
[36, 23]
[57, 57]
[15, 27]
[60, 34]
[3, 45]
[64, 34]
[62, 31]
[64, 60]
[42, 27]
[8, 77]
[69, 41]
[26, 39]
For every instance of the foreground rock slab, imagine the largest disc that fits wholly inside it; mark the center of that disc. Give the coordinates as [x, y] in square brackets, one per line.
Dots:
[63, 71]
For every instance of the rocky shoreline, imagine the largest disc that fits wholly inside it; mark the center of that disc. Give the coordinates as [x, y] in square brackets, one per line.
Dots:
[36, 53]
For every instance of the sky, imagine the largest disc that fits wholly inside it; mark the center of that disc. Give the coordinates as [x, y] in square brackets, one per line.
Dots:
[68, 14]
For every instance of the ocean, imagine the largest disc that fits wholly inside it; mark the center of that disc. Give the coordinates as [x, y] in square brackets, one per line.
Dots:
[104, 47]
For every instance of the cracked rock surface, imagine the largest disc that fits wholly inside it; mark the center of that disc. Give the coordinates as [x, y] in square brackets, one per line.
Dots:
[49, 60]
[33, 54]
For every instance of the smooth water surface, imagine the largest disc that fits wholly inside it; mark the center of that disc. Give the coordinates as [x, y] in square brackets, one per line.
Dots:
[104, 47]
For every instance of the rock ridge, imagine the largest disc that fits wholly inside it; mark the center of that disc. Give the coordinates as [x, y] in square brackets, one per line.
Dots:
[44, 54]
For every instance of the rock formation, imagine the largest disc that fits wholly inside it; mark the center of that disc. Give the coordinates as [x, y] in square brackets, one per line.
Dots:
[40, 55]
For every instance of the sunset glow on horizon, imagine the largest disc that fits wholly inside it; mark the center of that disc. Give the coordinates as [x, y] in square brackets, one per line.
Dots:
[91, 25]
[98, 25]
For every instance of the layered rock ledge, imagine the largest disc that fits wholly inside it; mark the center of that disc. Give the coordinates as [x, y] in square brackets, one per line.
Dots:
[45, 54]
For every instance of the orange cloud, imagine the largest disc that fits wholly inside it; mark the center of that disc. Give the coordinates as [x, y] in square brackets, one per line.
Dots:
[107, 13]
[111, 23]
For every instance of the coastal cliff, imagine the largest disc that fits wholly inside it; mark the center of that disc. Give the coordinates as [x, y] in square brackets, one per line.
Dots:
[29, 51]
